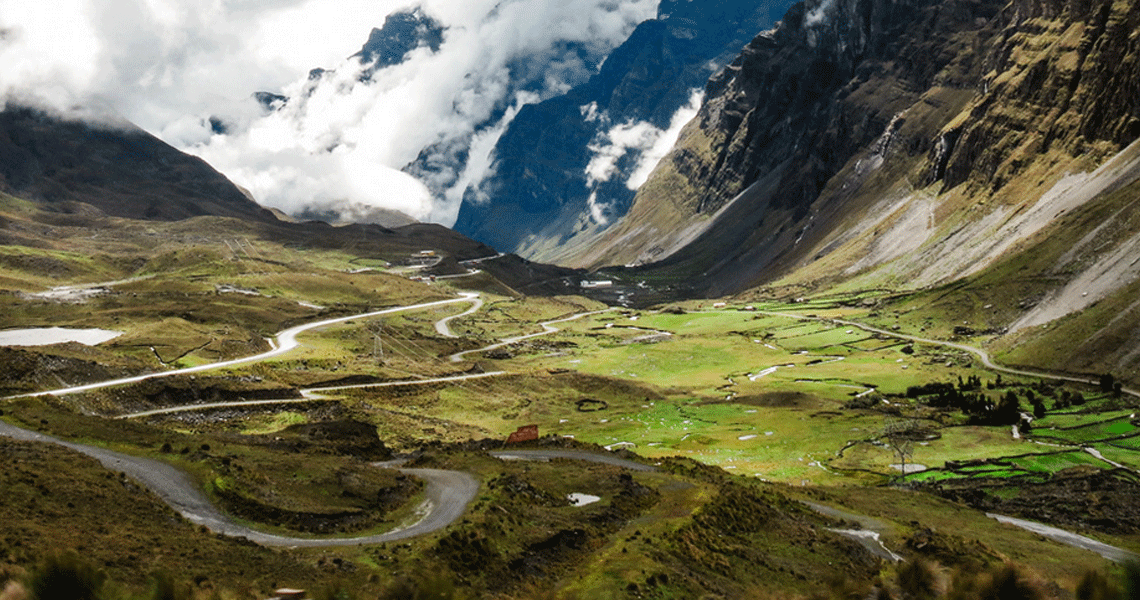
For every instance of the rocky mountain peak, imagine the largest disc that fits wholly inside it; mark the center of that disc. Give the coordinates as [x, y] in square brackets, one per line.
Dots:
[402, 32]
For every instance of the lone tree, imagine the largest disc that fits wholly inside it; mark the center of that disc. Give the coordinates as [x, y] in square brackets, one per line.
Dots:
[1107, 383]
[900, 434]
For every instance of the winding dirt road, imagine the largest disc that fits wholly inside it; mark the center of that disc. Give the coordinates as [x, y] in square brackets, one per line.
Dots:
[285, 341]
[448, 494]
[981, 354]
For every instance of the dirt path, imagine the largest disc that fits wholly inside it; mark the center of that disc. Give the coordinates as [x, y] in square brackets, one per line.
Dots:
[870, 536]
[547, 329]
[546, 455]
[1112, 553]
[309, 395]
[448, 494]
[981, 354]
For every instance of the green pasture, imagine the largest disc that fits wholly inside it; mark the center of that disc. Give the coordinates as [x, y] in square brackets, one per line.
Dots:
[1131, 442]
[1084, 428]
[773, 443]
[1029, 465]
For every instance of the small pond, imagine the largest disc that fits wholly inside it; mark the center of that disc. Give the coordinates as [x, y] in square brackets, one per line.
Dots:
[43, 336]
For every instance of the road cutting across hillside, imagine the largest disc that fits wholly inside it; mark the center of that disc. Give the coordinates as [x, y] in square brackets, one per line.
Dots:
[285, 342]
[984, 356]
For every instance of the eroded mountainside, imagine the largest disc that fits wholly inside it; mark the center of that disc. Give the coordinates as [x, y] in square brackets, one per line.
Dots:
[889, 141]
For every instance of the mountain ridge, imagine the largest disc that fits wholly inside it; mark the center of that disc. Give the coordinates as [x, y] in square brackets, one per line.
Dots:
[543, 189]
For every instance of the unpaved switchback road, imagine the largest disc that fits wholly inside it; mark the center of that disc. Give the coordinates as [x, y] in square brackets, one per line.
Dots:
[448, 494]
[545, 455]
[285, 341]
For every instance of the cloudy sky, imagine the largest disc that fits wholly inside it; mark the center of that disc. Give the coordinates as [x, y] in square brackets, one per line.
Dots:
[169, 65]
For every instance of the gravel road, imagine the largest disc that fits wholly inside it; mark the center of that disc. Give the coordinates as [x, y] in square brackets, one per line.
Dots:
[545, 455]
[448, 494]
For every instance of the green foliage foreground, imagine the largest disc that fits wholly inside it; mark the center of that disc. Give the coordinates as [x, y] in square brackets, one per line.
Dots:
[68, 576]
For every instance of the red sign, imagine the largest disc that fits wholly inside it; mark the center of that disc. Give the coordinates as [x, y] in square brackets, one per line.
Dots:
[527, 433]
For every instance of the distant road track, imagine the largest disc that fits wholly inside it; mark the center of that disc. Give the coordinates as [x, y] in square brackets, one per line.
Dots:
[545, 455]
[1112, 553]
[309, 395]
[547, 329]
[980, 353]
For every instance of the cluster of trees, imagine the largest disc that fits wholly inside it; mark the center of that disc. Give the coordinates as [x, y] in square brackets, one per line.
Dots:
[968, 396]
[981, 408]
[1109, 385]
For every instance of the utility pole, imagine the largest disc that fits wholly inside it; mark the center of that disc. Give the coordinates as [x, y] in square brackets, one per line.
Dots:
[377, 344]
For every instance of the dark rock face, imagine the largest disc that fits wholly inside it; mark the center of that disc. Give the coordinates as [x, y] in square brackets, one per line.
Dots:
[122, 172]
[402, 33]
[964, 92]
[541, 187]
[792, 97]
[270, 101]
[1081, 93]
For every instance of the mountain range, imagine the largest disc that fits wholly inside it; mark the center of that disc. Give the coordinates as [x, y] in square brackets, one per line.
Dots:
[732, 275]
[979, 151]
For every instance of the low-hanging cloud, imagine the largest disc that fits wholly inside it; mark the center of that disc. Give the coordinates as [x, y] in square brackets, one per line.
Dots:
[646, 143]
[171, 65]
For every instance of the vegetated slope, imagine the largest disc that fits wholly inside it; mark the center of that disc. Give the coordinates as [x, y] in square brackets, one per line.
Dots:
[117, 168]
[564, 165]
[901, 144]
[84, 173]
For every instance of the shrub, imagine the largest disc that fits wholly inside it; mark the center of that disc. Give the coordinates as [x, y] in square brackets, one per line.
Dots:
[1007, 584]
[165, 588]
[1094, 586]
[917, 581]
[66, 576]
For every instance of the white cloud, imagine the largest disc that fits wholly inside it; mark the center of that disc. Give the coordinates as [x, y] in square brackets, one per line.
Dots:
[648, 143]
[652, 155]
[597, 210]
[168, 65]
[816, 15]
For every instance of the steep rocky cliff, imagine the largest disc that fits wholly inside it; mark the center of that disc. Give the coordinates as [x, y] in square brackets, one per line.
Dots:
[566, 164]
[887, 141]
